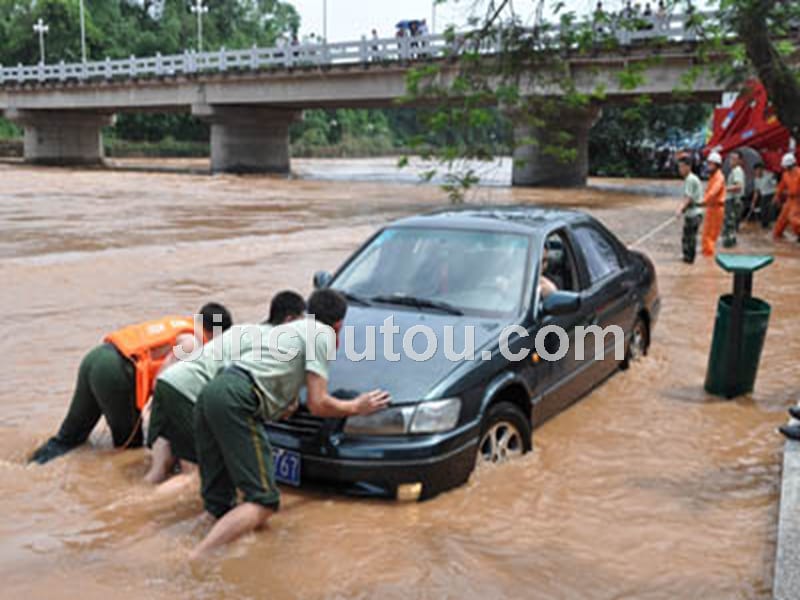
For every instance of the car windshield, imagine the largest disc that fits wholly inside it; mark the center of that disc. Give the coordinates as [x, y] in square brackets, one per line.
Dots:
[460, 271]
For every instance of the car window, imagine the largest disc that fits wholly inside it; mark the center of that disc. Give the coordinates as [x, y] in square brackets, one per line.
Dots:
[478, 272]
[598, 251]
[558, 263]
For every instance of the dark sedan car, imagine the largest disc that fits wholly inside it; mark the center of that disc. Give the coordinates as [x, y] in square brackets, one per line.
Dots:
[441, 283]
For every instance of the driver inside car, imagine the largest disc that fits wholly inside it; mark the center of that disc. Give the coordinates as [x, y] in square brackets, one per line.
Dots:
[546, 285]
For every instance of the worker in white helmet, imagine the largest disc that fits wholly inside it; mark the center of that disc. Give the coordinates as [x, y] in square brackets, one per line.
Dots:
[788, 193]
[714, 201]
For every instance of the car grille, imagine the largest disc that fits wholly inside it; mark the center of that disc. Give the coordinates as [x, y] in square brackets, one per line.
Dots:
[302, 423]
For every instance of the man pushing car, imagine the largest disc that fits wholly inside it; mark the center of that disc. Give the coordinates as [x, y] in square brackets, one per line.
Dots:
[233, 450]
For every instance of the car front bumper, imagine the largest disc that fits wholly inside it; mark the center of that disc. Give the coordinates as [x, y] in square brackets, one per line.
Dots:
[380, 465]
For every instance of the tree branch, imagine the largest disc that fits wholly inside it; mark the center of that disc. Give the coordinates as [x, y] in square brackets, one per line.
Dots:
[777, 76]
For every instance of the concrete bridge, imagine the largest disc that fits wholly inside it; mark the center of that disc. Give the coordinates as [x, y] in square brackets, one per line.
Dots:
[250, 97]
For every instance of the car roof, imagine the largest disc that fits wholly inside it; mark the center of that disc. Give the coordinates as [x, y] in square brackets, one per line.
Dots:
[528, 219]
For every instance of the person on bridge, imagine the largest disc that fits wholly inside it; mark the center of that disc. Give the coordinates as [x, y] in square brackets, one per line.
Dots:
[788, 192]
[233, 450]
[735, 187]
[691, 209]
[116, 378]
[171, 431]
[714, 202]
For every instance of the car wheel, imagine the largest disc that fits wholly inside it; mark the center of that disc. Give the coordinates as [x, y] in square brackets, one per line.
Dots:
[637, 347]
[505, 434]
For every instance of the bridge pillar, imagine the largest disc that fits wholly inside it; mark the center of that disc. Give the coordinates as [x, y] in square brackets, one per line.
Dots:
[534, 165]
[248, 139]
[62, 137]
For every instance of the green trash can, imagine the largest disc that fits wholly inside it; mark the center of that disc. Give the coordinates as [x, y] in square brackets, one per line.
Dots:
[739, 329]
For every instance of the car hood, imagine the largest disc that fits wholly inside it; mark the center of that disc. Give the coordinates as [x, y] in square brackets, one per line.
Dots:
[407, 380]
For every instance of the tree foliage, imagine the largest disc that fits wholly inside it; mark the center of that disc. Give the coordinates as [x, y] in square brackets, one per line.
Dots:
[630, 141]
[121, 28]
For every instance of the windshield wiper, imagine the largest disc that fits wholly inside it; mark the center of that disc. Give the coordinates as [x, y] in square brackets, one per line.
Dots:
[418, 303]
[350, 297]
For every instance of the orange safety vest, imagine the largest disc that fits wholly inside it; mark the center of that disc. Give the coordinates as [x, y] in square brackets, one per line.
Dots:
[147, 346]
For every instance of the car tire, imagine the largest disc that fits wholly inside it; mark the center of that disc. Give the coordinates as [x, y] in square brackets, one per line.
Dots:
[638, 344]
[505, 434]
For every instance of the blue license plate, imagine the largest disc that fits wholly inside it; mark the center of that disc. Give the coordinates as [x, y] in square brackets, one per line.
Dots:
[287, 466]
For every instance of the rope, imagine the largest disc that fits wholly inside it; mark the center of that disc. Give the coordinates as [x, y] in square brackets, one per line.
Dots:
[653, 231]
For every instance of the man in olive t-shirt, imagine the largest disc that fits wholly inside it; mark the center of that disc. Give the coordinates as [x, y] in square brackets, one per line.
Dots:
[171, 430]
[233, 450]
[691, 209]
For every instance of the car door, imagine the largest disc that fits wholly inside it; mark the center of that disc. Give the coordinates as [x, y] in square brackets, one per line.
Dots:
[606, 298]
[555, 381]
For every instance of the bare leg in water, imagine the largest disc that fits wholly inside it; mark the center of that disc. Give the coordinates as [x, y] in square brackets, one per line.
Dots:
[186, 478]
[163, 462]
[243, 519]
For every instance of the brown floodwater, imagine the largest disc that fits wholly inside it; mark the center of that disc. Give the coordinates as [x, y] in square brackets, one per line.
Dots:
[647, 488]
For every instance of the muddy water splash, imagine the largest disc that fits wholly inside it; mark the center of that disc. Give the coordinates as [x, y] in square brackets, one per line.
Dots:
[645, 489]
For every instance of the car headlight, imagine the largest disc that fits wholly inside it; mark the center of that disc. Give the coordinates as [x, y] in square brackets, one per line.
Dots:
[426, 417]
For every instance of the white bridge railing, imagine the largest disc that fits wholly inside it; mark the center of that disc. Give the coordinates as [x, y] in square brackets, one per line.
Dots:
[670, 28]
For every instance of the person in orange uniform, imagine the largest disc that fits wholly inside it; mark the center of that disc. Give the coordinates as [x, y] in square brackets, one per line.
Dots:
[116, 378]
[788, 192]
[714, 201]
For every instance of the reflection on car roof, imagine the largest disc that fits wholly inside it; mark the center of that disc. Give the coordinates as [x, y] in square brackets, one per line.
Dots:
[519, 218]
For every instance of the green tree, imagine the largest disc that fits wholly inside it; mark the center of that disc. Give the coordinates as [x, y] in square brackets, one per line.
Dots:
[623, 140]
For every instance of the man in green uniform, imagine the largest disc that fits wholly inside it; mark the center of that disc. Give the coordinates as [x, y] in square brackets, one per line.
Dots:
[107, 387]
[691, 209]
[233, 451]
[734, 186]
[171, 431]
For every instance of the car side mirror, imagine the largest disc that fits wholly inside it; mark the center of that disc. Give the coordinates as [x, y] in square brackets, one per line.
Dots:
[561, 303]
[322, 279]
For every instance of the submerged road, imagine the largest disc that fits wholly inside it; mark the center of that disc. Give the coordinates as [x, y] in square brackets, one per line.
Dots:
[647, 488]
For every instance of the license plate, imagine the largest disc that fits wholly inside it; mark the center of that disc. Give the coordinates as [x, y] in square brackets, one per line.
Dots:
[287, 466]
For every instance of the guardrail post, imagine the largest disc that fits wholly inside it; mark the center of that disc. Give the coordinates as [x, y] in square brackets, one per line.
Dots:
[254, 57]
[223, 59]
[132, 71]
[2, 74]
[20, 79]
[364, 50]
[159, 64]
[288, 55]
[62, 71]
[326, 53]
[108, 68]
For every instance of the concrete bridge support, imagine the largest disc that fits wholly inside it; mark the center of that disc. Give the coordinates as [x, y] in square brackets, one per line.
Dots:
[248, 139]
[537, 164]
[62, 137]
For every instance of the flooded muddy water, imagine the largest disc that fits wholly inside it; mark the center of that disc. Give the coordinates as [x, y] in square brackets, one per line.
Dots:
[647, 488]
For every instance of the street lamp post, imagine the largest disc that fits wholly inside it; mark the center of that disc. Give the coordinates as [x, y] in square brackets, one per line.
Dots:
[199, 9]
[325, 21]
[83, 34]
[40, 28]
